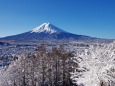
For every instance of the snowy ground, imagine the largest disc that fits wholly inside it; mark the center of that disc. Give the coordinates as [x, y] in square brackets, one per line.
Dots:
[96, 63]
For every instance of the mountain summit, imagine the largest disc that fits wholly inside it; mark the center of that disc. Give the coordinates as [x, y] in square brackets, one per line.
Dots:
[47, 28]
[48, 31]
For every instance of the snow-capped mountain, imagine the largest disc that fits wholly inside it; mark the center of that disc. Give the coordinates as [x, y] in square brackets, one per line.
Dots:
[47, 28]
[48, 31]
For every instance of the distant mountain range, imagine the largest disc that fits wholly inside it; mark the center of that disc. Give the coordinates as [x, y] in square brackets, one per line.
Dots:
[48, 31]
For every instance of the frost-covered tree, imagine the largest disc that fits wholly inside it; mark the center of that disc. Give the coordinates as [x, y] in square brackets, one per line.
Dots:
[96, 66]
[40, 68]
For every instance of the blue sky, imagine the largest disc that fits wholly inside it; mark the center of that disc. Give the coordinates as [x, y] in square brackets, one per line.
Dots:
[94, 18]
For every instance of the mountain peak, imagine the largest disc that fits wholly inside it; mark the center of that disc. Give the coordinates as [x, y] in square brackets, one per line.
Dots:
[47, 28]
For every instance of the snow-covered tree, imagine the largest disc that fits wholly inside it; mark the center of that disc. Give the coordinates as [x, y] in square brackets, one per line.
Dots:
[96, 66]
[40, 68]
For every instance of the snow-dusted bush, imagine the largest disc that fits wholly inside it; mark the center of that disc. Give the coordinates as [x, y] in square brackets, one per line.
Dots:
[96, 66]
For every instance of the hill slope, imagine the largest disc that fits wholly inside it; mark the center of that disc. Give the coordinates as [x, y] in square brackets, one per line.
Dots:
[47, 31]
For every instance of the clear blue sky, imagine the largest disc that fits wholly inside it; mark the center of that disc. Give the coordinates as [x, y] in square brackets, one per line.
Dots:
[94, 18]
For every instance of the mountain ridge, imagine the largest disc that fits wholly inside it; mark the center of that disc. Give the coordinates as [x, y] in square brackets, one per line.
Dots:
[48, 31]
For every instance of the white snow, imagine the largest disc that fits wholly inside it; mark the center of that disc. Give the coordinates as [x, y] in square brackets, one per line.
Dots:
[47, 28]
[96, 67]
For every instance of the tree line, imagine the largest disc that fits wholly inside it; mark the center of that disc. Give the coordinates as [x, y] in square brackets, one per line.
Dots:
[42, 68]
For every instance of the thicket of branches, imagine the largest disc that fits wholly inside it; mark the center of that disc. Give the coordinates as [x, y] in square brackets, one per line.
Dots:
[41, 68]
[96, 66]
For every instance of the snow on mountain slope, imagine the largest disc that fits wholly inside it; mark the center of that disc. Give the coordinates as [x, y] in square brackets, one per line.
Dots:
[48, 31]
[47, 28]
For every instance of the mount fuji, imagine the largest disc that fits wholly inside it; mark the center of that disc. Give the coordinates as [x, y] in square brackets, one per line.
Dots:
[48, 31]
[47, 28]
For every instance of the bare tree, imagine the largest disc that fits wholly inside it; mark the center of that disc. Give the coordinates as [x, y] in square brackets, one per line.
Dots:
[41, 68]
